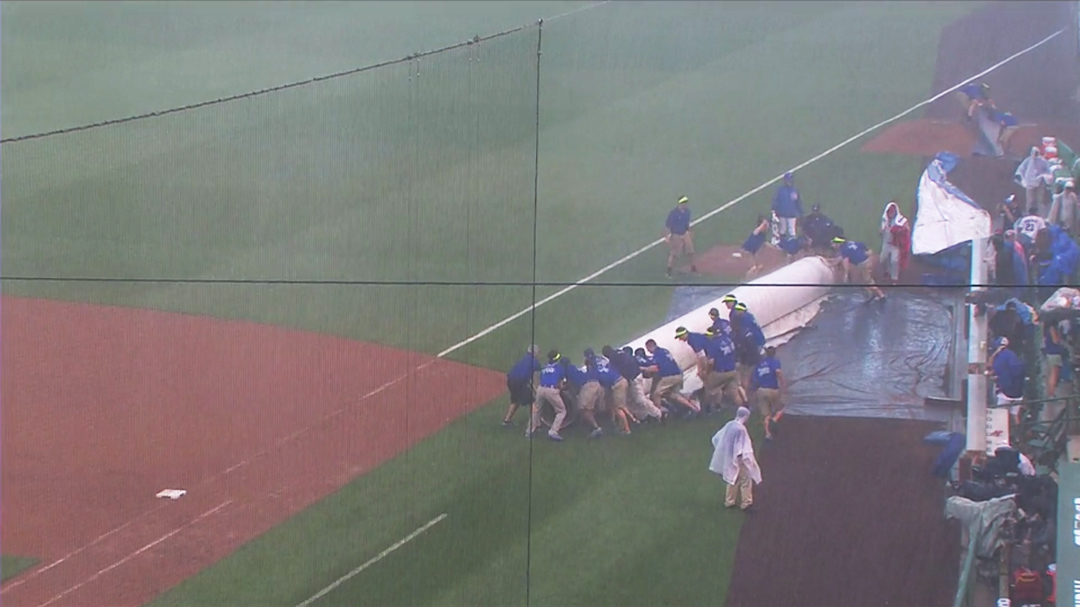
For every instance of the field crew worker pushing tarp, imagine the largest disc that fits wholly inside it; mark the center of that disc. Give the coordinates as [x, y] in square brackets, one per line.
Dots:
[749, 340]
[521, 381]
[636, 402]
[552, 378]
[616, 387]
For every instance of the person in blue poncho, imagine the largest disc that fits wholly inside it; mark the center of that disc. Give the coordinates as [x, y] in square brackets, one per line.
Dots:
[1059, 265]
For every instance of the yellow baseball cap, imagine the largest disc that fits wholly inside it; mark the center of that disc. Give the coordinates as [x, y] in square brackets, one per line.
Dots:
[728, 298]
[839, 240]
[741, 307]
[681, 332]
[684, 199]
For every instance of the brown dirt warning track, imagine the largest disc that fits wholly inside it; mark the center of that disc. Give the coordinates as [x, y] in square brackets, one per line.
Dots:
[104, 407]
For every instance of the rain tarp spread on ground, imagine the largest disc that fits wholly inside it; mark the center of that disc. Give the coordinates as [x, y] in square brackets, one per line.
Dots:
[859, 359]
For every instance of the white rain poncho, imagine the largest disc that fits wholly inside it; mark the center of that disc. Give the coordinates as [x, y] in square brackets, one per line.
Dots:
[1034, 171]
[731, 443]
[898, 221]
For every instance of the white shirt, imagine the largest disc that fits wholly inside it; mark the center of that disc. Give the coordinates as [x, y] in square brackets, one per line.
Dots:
[1030, 225]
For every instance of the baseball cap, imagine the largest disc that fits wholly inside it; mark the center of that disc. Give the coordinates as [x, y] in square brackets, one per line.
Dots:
[683, 199]
[729, 298]
[681, 332]
[712, 331]
[554, 355]
[788, 176]
[740, 307]
[839, 240]
[533, 349]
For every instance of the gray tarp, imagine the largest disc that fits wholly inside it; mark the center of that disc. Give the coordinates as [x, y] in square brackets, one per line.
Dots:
[879, 359]
[984, 520]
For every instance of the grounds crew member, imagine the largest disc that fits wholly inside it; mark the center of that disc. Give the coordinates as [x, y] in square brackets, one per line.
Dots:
[858, 269]
[697, 342]
[636, 402]
[768, 387]
[721, 325]
[820, 229]
[749, 340]
[679, 236]
[521, 381]
[667, 379]
[787, 204]
[616, 387]
[590, 392]
[552, 378]
[722, 378]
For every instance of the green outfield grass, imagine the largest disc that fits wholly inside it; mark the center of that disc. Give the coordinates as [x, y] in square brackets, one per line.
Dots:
[610, 522]
[11, 566]
[380, 177]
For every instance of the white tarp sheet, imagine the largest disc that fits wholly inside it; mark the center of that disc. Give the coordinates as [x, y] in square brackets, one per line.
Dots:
[946, 216]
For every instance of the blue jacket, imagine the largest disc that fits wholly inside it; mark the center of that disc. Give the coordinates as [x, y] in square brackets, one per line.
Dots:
[787, 202]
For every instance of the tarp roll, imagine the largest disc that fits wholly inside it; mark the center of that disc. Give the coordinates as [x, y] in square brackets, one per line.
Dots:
[781, 301]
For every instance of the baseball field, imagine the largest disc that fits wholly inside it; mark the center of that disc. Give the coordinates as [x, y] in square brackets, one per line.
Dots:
[298, 306]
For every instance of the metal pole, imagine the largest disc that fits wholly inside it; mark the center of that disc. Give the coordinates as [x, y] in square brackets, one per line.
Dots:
[977, 335]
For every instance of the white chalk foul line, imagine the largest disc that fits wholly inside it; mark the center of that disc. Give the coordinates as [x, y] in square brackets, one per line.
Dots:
[127, 558]
[341, 580]
[741, 198]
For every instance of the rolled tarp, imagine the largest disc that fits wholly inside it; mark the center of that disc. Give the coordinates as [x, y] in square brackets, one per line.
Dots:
[782, 301]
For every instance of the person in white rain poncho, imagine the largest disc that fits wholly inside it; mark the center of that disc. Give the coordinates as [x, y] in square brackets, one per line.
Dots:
[1034, 175]
[733, 459]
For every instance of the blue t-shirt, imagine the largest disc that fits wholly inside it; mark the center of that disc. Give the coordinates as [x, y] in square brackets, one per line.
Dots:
[749, 331]
[854, 252]
[678, 221]
[765, 374]
[523, 369]
[1009, 373]
[577, 376]
[551, 375]
[665, 363]
[754, 242]
[644, 361]
[607, 375]
[722, 326]
[722, 352]
[697, 341]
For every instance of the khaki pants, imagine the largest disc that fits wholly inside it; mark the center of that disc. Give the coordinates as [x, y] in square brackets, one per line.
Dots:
[664, 386]
[590, 396]
[743, 485]
[768, 402]
[618, 396]
[682, 244]
[720, 384]
[552, 397]
[637, 403]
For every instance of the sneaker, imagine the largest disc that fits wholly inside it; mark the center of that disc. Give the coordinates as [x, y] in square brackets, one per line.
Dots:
[528, 433]
[669, 272]
[689, 416]
[751, 509]
[507, 423]
[663, 418]
[625, 432]
[596, 433]
[554, 437]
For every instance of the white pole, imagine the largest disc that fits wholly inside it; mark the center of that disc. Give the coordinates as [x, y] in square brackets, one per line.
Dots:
[977, 334]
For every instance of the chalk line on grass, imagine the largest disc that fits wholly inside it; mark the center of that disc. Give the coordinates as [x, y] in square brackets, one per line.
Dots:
[741, 198]
[127, 558]
[405, 540]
